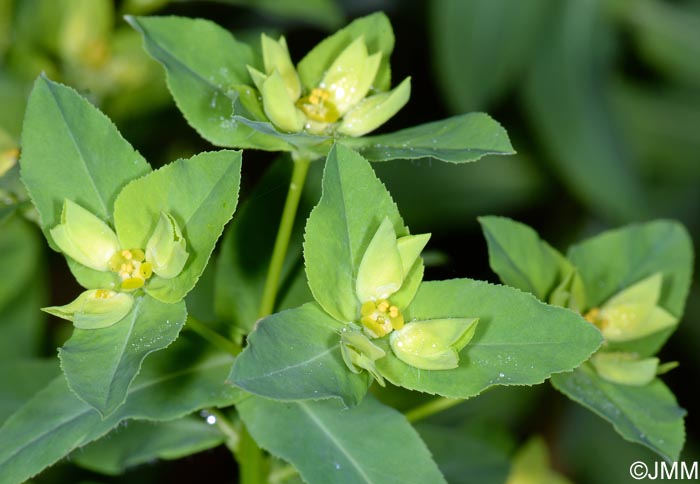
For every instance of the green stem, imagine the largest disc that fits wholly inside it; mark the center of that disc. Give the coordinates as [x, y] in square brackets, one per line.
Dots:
[252, 465]
[432, 407]
[227, 428]
[279, 252]
[212, 336]
[282, 474]
[251, 461]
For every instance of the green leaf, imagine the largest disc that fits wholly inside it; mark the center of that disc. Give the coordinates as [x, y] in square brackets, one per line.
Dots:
[458, 139]
[207, 76]
[370, 443]
[22, 291]
[100, 364]
[145, 442]
[518, 341]
[295, 355]
[200, 193]
[617, 259]
[520, 257]
[21, 379]
[71, 150]
[352, 206]
[565, 95]
[648, 415]
[476, 452]
[475, 63]
[54, 422]
[379, 37]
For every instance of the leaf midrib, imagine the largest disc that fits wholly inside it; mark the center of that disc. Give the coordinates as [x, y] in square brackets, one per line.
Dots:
[81, 155]
[322, 427]
[134, 389]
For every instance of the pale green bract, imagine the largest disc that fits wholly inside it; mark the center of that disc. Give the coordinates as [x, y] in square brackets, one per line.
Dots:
[433, 344]
[167, 249]
[84, 237]
[105, 217]
[89, 241]
[339, 103]
[374, 318]
[625, 368]
[340, 90]
[631, 283]
[94, 309]
[634, 312]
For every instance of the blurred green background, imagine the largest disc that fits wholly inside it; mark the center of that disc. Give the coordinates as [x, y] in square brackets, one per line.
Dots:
[601, 99]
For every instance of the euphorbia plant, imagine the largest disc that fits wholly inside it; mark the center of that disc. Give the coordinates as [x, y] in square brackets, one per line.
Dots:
[138, 241]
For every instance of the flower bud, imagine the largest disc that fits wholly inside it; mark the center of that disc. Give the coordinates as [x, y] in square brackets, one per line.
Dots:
[359, 353]
[434, 344]
[97, 308]
[633, 313]
[166, 250]
[84, 237]
[625, 368]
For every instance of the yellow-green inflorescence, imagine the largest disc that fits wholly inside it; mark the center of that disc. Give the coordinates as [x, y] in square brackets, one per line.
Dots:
[344, 102]
[89, 241]
[631, 314]
[384, 269]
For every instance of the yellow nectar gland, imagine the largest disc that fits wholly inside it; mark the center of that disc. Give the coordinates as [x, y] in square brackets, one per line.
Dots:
[132, 268]
[103, 294]
[381, 317]
[317, 106]
[593, 316]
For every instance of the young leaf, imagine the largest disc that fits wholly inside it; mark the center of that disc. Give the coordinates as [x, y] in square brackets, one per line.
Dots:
[518, 341]
[459, 139]
[648, 415]
[70, 150]
[519, 257]
[200, 193]
[54, 422]
[295, 355]
[618, 259]
[353, 204]
[100, 364]
[370, 443]
[207, 76]
[144, 442]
